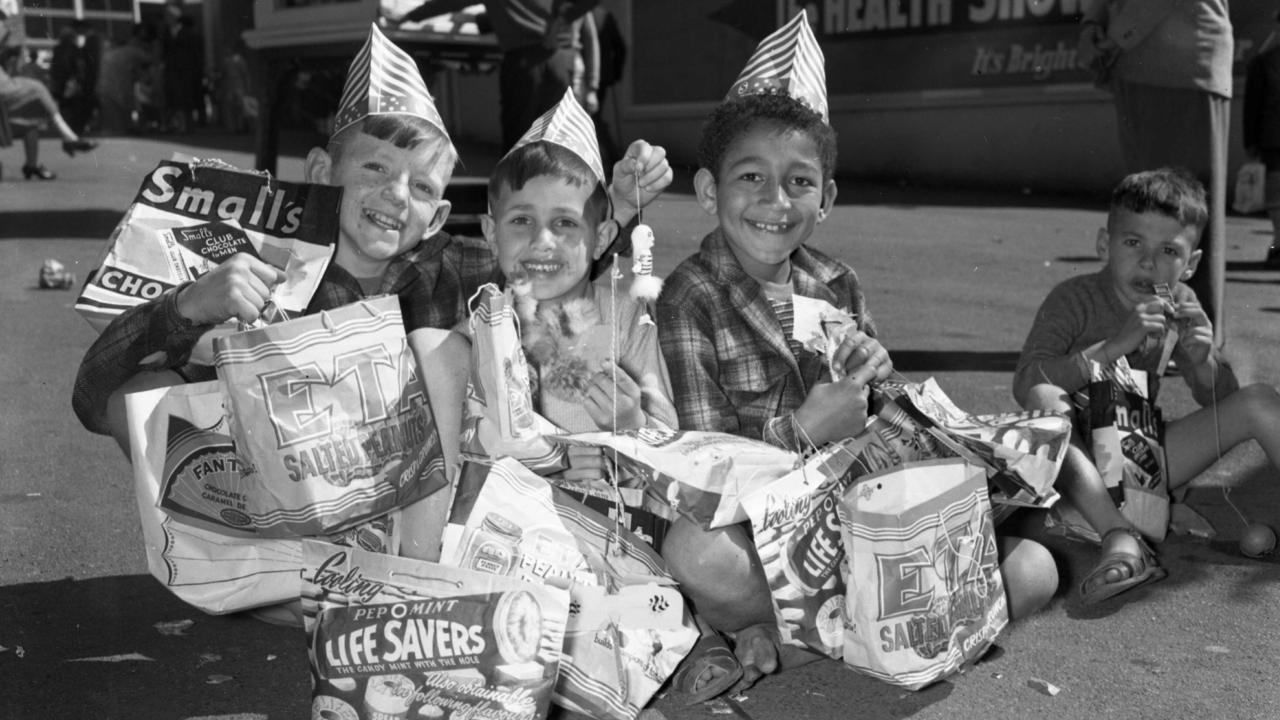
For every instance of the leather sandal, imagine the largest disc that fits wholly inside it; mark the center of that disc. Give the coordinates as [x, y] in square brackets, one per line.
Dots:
[1138, 570]
[691, 683]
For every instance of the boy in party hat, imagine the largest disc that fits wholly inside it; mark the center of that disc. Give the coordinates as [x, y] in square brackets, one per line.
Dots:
[726, 317]
[551, 223]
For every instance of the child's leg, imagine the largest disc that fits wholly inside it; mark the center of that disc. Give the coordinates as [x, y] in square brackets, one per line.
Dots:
[1082, 486]
[721, 575]
[1195, 442]
[1030, 575]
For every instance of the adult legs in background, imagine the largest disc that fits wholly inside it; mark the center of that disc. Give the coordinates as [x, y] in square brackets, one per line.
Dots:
[1187, 128]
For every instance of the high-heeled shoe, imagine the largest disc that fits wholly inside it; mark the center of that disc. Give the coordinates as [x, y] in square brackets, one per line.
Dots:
[38, 172]
[71, 147]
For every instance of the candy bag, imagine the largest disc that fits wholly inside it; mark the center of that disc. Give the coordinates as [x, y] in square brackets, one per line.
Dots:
[393, 637]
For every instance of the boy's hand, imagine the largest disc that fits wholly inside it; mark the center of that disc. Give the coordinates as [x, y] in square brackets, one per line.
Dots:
[239, 288]
[858, 350]
[837, 410]
[1197, 337]
[1145, 319]
[600, 396]
[645, 167]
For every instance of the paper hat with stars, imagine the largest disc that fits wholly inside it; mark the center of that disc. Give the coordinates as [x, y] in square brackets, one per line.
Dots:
[570, 127]
[788, 62]
[384, 80]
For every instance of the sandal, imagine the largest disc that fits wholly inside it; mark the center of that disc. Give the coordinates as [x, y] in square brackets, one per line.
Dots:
[1141, 569]
[709, 653]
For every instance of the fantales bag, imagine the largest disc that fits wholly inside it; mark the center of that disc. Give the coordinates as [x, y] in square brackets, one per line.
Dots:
[189, 217]
[925, 593]
[330, 419]
[196, 547]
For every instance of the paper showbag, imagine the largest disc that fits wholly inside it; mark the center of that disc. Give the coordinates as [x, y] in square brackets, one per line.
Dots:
[330, 419]
[925, 593]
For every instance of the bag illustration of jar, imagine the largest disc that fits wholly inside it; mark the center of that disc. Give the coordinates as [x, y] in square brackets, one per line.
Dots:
[493, 547]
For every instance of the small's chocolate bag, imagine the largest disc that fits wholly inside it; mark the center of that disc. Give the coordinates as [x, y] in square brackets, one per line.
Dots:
[394, 637]
[627, 630]
[188, 217]
[330, 419]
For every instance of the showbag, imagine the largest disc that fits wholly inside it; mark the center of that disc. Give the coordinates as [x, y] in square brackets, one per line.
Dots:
[627, 628]
[500, 419]
[330, 419]
[925, 593]
[182, 455]
[189, 217]
[394, 637]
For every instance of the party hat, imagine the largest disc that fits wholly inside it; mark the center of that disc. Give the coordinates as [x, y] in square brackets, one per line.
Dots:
[570, 127]
[384, 80]
[787, 62]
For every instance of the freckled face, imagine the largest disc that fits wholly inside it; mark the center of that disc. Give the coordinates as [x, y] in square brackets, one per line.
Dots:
[768, 196]
[392, 199]
[542, 233]
[1142, 250]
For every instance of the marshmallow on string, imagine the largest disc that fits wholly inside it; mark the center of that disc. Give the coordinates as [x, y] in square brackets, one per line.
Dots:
[384, 80]
[787, 62]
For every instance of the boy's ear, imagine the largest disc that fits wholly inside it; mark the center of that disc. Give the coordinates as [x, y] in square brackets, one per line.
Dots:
[438, 219]
[828, 200]
[606, 231]
[318, 167]
[1103, 244]
[1193, 262]
[489, 227]
[704, 188]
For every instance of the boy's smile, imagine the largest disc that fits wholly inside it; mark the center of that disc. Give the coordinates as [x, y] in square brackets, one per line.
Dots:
[768, 195]
[542, 233]
[1142, 250]
[392, 199]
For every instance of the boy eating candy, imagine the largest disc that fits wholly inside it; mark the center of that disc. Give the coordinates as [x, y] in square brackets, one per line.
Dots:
[1153, 226]
[725, 319]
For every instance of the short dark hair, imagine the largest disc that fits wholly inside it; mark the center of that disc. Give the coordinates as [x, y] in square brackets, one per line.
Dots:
[1171, 191]
[544, 159]
[733, 118]
[403, 131]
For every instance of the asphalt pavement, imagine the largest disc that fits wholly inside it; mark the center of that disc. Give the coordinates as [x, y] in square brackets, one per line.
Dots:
[953, 278]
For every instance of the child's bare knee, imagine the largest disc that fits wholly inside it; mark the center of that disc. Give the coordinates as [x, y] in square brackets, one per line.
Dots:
[1261, 403]
[1047, 396]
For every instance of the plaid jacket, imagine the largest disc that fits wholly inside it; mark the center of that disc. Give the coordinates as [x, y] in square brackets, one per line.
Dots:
[732, 369]
[434, 282]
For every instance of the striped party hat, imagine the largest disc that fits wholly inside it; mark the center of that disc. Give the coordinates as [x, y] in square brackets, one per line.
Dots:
[384, 80]
[788, 62]
[570, 127]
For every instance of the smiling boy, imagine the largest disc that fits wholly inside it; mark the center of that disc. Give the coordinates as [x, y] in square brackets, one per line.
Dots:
[1149, 240]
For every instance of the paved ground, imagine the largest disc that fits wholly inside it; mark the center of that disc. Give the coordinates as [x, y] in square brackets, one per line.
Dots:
[953, 278]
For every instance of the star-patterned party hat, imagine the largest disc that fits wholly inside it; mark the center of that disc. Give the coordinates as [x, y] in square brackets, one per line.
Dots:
[384, 80]
[570, 127]
[788, 62]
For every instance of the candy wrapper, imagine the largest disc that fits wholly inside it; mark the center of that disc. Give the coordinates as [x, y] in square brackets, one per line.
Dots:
[627, 630]
[925, 594]
[821, 327]
[701, 475]
[189, 217]
[500, 419]
[330, 419]
[393, 637]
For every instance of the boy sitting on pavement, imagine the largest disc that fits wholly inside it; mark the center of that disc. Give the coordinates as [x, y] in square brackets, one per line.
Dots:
[766, 161]
[1153, 227]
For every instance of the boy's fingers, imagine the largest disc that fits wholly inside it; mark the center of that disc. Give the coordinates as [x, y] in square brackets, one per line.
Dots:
[626, 384]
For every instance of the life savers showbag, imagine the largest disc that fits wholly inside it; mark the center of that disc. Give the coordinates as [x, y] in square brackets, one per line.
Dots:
[330, 418]
[189, 217]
